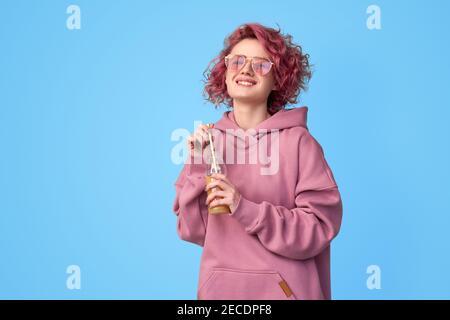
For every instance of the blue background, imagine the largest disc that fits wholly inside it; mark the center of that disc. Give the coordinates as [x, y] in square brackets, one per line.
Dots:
[86, 118]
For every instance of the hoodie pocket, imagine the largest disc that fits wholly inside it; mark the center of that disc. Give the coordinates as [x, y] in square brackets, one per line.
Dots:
[233, 284]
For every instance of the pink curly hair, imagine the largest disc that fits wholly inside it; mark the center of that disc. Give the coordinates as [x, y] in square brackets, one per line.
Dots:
[291, 67]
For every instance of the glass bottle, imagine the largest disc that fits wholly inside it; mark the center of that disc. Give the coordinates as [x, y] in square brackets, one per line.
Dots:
[213, 166]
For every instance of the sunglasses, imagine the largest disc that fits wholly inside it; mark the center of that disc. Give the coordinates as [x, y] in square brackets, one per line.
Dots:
[260, 66]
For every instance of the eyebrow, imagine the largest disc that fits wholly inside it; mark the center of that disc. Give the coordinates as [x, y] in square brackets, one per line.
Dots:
[240, 54]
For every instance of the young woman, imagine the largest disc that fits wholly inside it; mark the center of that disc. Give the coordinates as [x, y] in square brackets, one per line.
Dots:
[284, 209]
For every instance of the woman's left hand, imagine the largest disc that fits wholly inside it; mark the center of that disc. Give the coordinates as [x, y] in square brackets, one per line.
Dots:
[230, 194]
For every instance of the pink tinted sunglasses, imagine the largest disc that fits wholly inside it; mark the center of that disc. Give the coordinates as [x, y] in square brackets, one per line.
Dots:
[260, 65]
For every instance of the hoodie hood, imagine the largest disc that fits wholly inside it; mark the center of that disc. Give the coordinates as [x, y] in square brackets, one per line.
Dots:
[283, 119]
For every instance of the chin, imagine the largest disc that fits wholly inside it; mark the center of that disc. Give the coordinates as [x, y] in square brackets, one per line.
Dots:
[246, 96]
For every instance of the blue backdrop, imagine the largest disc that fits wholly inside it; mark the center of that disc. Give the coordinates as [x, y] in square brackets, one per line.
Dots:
[87, 115]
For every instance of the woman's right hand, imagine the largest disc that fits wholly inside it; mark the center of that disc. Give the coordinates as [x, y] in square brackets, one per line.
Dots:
[198, 140]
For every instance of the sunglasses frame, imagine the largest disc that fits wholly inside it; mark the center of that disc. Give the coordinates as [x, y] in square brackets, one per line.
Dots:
[251, 62]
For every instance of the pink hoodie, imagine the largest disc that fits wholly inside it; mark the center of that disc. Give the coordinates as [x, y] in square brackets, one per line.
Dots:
[276, 244]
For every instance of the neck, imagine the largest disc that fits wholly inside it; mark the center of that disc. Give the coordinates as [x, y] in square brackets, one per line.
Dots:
[249, 115]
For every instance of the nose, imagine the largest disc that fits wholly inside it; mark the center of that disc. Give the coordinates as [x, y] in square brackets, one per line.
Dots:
[247, 68]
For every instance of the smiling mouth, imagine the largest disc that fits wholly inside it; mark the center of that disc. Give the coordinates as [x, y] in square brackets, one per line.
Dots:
[245, 83]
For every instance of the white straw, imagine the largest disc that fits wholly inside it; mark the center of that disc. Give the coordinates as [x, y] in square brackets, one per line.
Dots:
[214, 164]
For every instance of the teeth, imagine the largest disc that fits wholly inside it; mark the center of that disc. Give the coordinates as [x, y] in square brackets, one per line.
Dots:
[245, 83]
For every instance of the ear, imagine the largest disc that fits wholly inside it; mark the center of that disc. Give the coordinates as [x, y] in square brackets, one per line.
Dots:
[275, 85]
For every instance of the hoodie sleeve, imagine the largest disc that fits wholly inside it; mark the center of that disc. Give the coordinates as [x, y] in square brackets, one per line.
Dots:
[192, 217]
[306, 230]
